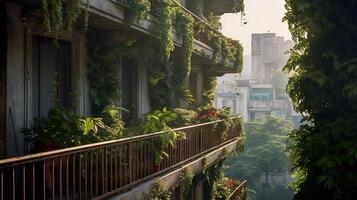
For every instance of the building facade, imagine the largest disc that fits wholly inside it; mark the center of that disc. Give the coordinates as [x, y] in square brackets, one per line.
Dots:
[264, 91]
[50, 59]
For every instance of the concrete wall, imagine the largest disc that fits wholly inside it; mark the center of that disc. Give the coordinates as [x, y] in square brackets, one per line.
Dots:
[3, 75]
[16, 118]
[268, 55]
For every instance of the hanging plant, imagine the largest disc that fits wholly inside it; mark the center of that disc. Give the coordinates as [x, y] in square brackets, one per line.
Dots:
[184, 24]
[135, 10]
[59, 17]
[162, 28]
[225, 50]
[209, 91]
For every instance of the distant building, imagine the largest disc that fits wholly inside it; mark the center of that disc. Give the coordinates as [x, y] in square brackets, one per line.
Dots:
[264, 91]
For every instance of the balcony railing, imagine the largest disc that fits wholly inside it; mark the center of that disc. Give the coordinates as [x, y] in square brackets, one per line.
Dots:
[103, 169]
[240, 192]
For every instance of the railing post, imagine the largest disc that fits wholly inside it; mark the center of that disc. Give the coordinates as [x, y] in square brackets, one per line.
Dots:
[130, 158]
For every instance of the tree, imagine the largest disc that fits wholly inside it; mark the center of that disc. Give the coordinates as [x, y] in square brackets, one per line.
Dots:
[323, 87]
[264, 154]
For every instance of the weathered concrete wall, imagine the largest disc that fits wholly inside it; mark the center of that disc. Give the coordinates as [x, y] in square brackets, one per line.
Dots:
[15, 81]
[3, 55]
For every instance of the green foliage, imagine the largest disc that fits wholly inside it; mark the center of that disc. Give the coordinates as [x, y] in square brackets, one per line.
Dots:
[186, 178]
[184, 27]
[136, 10]
[59, 16]
[104, 49]
[193, 6]
[63, 128]
[225, 49]
[184, 117]
[323, 65]
[220, 186]
[159, 193]
[209, 90]
[264, 153]
[158, 121]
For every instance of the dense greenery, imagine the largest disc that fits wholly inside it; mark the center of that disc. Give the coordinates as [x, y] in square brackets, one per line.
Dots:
[59, 16]
[104, 48]
[323, 87]
[264, 154]
[168, 80]
[63, 128]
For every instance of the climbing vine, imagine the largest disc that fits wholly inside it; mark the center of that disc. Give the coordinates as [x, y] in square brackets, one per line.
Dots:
[159, 192]
[59, 16]
[135, 10]
[210, 83]
[184, 27]
[186, 178]
[104, 49]
[225, 49]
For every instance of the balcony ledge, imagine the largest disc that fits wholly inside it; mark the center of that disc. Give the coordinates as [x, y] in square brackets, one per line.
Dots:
[108, 10]
[171, 178]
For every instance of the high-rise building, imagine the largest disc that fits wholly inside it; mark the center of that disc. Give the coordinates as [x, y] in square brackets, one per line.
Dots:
[264, 91]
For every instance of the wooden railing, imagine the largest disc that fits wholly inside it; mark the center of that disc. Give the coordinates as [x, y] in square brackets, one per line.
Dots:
[103, 169]
[240, 192]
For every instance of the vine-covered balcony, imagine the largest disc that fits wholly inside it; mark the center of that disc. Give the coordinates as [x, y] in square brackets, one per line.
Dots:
[103, 169]
[208, 41]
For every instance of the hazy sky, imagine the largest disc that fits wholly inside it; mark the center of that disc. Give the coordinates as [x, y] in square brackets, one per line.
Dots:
[262, 16]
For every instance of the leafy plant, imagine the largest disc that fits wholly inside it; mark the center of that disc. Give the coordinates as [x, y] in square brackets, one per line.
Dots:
[159, 192]
[59, 16]
[104, 48]
[63, 128]
[264, 153]
[135, 10]
[186, 178]
[323, 65]
[158, 121]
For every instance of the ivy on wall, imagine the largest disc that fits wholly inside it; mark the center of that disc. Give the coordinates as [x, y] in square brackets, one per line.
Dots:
[135, 9]
[61, 16]
[225, 49]
[168, 81]
[104, 49]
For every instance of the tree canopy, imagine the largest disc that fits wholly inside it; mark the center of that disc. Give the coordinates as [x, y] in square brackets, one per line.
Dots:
[264, 153]
[323, 87]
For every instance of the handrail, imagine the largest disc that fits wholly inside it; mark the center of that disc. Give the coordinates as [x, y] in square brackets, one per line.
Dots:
[196, 17]
[240, 187]
[99, 170]
[39, 156]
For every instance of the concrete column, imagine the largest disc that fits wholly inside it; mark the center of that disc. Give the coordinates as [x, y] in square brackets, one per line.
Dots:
[15, 81]
[3, 53]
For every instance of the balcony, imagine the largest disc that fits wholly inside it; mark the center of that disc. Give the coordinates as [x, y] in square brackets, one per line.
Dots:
[104, 169]
[107, 13]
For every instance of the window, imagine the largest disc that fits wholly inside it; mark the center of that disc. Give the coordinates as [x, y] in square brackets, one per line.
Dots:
[261, 94]
[50, 75]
